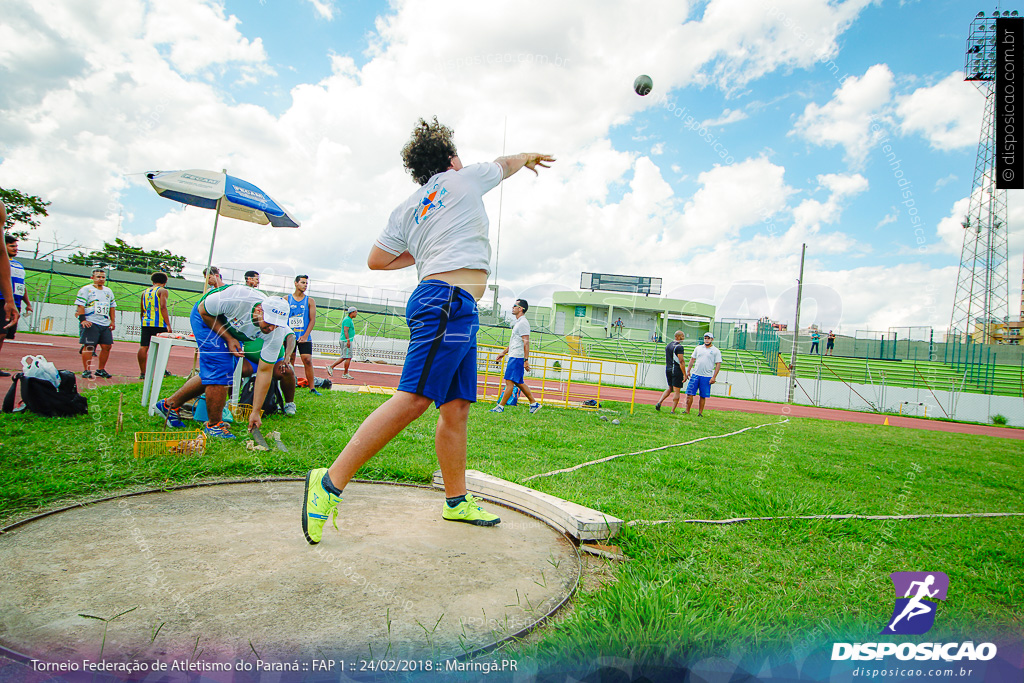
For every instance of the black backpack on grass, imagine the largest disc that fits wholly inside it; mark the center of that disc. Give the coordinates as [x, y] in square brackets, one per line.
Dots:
[273, 403]
[40, 396]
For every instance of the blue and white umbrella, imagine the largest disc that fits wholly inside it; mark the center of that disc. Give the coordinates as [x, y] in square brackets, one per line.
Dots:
[229, 196]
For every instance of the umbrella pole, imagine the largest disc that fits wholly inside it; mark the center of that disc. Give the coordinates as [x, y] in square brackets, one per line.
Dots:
[206, 277]
[209, 259]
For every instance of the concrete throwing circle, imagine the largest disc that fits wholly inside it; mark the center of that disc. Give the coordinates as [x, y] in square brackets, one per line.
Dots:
[223, 573]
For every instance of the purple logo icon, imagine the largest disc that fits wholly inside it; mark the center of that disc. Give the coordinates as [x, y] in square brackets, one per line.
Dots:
[916, 595]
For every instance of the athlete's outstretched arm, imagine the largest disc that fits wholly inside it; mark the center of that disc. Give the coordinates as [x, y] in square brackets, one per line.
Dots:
[530, 160]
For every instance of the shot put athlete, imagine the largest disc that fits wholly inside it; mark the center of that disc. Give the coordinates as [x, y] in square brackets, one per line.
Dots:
[442, 230]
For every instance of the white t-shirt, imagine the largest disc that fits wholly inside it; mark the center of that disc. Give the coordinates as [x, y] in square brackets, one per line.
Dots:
[235, 305]
[97, 304]
[520, 329]
[443, 224]
[706, 360]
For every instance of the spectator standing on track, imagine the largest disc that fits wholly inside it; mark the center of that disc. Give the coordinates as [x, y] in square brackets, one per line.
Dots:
[518, 365]
[675, 371]
[95, 307]
[19, 293]
[708, 361]
[830, 343]
[441, 228]
[302, 319]
[155, 318]
[815, 339]
[348, 336]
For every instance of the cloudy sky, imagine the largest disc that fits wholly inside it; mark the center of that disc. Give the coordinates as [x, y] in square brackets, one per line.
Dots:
[771, 124]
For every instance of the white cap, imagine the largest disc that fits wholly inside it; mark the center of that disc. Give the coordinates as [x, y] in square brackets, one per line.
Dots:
[352, 309]
[275, 311]
[708, 334]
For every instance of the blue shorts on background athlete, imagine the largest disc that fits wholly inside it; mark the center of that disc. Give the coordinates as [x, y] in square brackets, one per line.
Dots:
[441, 361]
[699, 384]
[515, 370]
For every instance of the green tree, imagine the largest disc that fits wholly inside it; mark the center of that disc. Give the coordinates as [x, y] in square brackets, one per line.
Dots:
[122, 256]
[22, 209]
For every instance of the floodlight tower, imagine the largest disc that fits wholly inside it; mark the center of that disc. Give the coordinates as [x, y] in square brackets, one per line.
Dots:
[982, 285]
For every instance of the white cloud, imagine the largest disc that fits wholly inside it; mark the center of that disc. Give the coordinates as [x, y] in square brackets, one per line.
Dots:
[947, 114]
[725, 118]
[324, 8]
[950, 230]
[846, 119]
[888, 218]
[199, 35]
[712, 214]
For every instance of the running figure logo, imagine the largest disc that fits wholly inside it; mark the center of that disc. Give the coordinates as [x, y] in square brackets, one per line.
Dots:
[433, 201]
[914, 612]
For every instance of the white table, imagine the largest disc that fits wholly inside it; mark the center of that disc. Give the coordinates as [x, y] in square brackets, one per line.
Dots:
[156, 364]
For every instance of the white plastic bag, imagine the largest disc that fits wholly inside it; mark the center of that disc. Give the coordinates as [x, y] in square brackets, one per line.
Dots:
[40, 368]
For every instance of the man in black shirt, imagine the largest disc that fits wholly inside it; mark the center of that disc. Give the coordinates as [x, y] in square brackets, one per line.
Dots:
[675, 370]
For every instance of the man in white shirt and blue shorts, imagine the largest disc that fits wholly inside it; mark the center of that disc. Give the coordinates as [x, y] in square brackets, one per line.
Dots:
[518, 364]
[442, 230]
[705, 362]
[223, 321]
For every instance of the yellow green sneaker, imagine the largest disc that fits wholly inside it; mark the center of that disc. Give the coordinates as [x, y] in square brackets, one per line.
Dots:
[317, 505]
[469, 511]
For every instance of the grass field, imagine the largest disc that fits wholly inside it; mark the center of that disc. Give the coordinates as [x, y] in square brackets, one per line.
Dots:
[686, 589]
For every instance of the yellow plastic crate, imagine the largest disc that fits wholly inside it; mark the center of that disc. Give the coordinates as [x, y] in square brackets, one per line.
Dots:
[241, 411]
[158, 443]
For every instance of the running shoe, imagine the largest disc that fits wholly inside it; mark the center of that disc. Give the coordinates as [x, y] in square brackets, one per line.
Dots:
[103, 373]
[317, 505]
[315, 392]
[221, 430]
[289, 408]
[86, 375]
[4, 374]
[347, 376]
[657, 406]
[171, 416]
[468, 511]
[330, 371]
[534, 407]
[497, 409]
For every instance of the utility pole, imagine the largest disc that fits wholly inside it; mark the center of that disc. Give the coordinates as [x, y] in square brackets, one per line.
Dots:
[796, 325]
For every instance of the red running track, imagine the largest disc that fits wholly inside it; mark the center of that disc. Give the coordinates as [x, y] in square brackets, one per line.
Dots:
[122, 364]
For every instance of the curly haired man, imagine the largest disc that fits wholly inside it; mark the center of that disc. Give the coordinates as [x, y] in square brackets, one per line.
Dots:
[442, 230]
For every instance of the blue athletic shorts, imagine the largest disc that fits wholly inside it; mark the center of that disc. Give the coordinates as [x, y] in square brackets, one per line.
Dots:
[515, 370]
[216, 362]
[441, 362]
[699, 384]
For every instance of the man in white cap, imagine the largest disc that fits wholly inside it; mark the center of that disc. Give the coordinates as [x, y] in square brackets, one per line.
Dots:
[223, 320]
[705, 362]
[348, 335]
